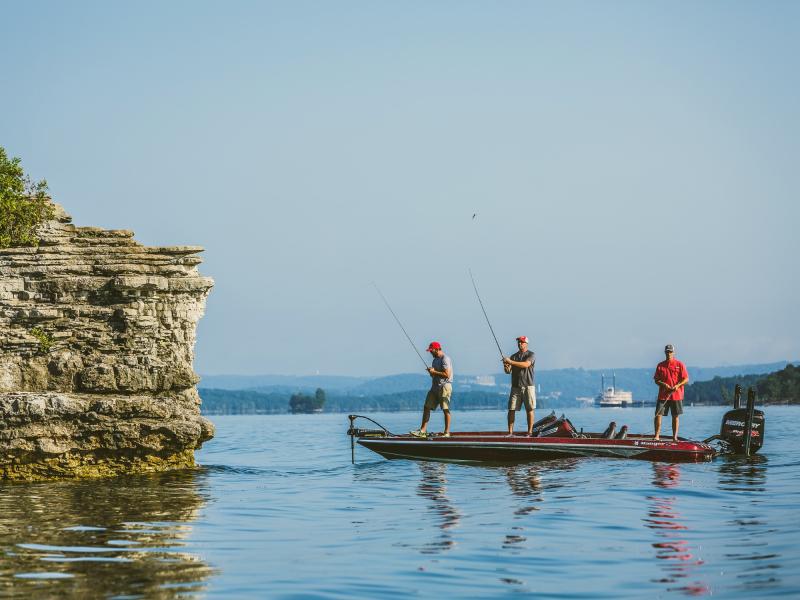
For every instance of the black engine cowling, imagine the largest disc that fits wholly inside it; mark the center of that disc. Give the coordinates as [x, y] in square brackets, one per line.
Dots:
[732, 430]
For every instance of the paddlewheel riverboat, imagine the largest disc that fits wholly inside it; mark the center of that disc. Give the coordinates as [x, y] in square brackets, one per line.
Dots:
[741, 431]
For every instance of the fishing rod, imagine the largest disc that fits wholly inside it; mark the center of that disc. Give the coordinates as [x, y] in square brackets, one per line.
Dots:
[386, 302]
[484, 314]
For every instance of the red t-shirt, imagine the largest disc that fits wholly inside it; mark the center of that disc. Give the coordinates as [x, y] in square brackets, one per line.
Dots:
[670, 372]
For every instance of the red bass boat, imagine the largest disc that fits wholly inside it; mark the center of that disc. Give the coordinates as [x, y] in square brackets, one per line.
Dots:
[742, 431]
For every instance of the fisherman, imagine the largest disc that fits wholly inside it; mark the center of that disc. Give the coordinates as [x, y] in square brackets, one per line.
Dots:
[520, 365]
[441, 372]
[670, 377]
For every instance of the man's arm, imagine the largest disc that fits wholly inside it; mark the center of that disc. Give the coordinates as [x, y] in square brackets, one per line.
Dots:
[680, 384]
[520, 364]
[447, 373]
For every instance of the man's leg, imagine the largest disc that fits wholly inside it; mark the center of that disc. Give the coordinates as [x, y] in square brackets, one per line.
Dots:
[675, 428]
[426, 415]
[657, 426]
[446, 421]
[530, 421]
[510, 422]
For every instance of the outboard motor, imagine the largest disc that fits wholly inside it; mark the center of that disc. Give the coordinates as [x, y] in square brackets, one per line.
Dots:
[742, 429]
[623, 433]
[734, 425]
[609, 432]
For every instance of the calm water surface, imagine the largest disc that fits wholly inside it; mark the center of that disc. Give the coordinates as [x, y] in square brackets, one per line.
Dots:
[277, 510]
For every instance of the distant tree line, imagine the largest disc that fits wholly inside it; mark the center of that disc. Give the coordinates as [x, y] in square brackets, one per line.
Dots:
[242, 402]
[781, 387]
[249, 402]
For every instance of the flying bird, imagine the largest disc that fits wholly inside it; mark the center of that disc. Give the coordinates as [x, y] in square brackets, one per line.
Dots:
[474, 215]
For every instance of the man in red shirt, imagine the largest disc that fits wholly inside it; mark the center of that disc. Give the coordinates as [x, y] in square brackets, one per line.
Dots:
[670, 377]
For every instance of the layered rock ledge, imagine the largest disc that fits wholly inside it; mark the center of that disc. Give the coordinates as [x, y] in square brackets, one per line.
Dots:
[97, 337]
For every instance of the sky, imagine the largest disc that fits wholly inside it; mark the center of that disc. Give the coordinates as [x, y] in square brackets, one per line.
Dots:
[632, 168]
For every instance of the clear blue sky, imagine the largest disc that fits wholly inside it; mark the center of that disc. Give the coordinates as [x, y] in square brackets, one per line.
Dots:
[633, 167]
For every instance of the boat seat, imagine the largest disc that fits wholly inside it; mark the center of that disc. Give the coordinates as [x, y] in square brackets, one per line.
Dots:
[623, 433]
[609, 432]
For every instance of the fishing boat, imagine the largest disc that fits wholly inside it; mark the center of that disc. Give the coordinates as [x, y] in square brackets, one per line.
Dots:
[742, 431]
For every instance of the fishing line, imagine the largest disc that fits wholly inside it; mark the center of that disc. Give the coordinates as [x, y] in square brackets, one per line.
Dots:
[475, 287]
[386, 302]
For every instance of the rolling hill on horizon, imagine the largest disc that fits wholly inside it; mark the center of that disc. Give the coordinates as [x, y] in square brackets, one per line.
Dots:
[571, 383]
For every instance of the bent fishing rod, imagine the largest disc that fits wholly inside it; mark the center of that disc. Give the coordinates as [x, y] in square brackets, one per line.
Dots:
[484, 314]
[386, 302]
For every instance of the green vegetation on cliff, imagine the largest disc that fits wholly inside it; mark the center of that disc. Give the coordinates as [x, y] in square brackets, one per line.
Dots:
[24, 204]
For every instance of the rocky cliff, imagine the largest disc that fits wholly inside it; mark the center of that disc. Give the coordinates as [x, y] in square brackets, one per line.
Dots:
[97, 337]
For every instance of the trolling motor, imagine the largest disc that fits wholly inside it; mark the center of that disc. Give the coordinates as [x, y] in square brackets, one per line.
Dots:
[742, 429]
[355, 432]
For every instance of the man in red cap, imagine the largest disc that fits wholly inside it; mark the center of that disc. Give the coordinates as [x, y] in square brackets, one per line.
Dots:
[670, 377]
[520, 365]
[441, 372]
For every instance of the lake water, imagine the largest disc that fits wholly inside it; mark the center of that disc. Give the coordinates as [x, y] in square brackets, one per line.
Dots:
[277, 510]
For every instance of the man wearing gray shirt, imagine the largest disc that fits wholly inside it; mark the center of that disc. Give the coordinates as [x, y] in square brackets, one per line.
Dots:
[441, 372]
[520, 365]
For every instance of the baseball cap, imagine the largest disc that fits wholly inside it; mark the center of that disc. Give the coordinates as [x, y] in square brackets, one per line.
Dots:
[523, 338]
[669, 348]
[434, 346]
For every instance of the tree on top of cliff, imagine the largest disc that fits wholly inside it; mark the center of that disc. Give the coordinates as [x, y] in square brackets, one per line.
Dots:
[24, 204]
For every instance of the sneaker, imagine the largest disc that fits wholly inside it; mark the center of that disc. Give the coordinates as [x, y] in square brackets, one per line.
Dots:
[445, 434]
[418, 433]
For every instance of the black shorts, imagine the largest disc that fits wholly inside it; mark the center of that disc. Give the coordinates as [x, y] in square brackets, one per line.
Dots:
[664, 406]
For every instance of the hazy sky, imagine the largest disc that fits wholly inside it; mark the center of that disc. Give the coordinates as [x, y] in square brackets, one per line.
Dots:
[634, 167]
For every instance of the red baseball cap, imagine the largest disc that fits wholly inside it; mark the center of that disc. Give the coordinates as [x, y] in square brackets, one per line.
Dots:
[434, 346]
[522, 338]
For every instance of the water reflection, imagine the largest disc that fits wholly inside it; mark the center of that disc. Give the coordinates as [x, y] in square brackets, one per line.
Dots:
[525, 483]
[672, 548]
[112, 537]
[759, 565]
[433, 488]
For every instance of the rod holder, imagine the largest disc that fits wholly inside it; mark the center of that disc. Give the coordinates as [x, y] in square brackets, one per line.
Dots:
[748, 425]
[352, 439]
[737, 396]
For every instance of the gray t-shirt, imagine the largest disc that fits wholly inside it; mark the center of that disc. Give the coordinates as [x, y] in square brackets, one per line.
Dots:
[441, 364]
[522, 377]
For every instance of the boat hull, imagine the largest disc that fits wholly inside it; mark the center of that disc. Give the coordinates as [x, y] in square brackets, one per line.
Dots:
[474, 448]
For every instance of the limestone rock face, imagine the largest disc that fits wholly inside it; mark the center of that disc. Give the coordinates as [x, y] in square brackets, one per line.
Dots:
[97, 337]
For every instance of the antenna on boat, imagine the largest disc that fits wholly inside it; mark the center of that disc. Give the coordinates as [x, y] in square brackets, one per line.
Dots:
[484, 313]
[386, 302]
